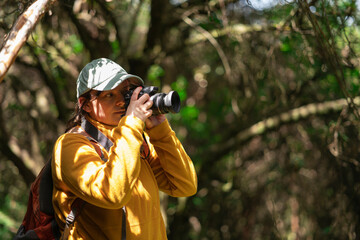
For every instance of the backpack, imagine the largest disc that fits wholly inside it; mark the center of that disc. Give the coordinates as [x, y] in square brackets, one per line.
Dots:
[39, 220]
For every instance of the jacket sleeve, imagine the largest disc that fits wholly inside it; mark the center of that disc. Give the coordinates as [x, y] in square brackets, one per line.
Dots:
[78, 168]
[173, 169]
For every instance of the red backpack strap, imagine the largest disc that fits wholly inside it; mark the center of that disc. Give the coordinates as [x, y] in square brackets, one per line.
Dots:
[78, 203]
[92, 140]
[97, 148]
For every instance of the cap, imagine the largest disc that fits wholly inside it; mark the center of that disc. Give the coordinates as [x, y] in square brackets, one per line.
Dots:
[102, 74]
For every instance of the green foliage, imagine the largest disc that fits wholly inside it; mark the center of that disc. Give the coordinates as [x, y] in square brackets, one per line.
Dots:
[276, 157]
[12, 201]
[354, 83]
[14, 106]
[285, 45]
[154, 75]
[180, 86]
[77, 45]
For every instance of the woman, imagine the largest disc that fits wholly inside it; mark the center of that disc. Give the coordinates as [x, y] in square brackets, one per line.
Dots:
[140, 155]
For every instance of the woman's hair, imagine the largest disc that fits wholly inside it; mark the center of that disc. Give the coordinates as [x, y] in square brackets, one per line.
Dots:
[79, 113]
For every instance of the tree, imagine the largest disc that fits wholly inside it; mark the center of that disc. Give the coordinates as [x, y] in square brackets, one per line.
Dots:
[269, 106]
[19, 34]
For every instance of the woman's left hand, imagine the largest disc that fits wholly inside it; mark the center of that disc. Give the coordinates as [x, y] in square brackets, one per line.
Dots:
[153, 121]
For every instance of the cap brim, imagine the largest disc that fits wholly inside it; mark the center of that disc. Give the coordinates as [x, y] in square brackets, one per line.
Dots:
[116, 81]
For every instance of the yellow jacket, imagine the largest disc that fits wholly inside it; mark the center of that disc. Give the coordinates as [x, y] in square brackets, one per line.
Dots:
[123, 180]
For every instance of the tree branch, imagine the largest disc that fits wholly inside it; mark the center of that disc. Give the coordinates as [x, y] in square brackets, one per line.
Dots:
[20, 33]
[327, 50]
[213, 41]
[275, 121]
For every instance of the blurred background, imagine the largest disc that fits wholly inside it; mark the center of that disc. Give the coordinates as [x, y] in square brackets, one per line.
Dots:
[269, 92]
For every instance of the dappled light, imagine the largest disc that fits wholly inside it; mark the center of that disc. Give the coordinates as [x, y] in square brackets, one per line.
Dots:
[269, 113]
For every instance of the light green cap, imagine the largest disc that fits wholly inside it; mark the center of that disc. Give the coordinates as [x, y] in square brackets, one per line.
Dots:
[102, 75]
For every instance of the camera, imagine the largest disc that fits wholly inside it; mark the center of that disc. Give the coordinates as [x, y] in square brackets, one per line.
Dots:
[162, 102]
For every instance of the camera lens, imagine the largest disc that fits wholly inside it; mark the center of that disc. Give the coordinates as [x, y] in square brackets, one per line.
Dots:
[162, 103]
[165, 103]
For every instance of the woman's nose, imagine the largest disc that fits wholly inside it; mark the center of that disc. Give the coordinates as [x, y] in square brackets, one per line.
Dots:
[120, 100]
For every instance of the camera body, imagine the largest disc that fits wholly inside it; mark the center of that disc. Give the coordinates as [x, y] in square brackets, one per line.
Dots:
[162, 103]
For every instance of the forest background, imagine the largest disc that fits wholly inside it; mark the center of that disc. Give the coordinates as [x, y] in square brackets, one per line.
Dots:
[269, 90]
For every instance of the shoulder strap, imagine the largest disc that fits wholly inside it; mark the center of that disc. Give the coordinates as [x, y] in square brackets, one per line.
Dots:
[98, 137]
[76, 207]
[96, 146]
[96, 134]
[78, 203]
[45, 189]
[95, 137]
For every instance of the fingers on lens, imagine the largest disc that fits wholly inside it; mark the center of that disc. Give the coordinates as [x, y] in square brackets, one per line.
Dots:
[136, 93]
[150, 103]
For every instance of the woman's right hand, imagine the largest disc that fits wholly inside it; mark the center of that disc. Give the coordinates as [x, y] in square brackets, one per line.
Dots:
[139, 108]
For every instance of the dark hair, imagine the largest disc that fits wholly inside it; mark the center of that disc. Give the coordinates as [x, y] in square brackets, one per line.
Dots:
[79, 113]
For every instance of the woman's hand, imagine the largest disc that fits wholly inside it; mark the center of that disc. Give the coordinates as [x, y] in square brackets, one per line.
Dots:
[139, 108]
[153, 121]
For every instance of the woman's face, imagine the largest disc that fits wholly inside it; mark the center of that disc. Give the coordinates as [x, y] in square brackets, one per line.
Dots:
[107, 106]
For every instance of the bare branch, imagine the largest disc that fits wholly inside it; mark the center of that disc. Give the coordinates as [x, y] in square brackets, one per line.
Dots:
[213, 41]
[329, 53]
[20, 33]
[275, 121]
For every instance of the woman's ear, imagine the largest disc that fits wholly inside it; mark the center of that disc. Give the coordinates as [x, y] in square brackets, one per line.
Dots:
[84, 104]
